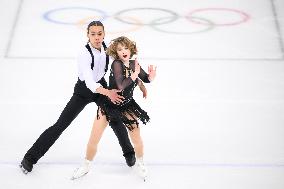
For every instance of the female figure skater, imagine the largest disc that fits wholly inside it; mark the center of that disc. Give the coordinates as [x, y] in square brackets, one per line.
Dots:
[124, 76]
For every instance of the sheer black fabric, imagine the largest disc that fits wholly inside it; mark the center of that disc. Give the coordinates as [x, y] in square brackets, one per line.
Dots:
[120, 78]
[129, 112]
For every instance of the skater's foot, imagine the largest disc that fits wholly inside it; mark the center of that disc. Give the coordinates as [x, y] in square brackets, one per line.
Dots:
[26, 166]
[140, 168]
[130, 159]
[82, 170]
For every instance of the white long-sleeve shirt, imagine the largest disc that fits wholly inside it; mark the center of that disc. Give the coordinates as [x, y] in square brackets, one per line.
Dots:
[84, 60]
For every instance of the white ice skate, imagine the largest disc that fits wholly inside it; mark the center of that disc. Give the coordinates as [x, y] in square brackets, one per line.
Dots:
[140, 168]
[82, 170]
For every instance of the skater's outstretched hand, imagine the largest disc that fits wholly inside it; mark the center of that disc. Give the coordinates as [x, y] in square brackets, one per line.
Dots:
[152, 72]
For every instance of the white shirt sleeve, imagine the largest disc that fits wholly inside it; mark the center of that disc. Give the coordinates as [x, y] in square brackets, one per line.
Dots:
[84, 60]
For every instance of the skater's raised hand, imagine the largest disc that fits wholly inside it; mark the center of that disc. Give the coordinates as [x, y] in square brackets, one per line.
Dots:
[137, 67]
[136, 70]
[152, 72]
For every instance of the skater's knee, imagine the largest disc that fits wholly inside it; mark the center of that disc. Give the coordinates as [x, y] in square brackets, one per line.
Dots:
[54, 131]
[59, 126]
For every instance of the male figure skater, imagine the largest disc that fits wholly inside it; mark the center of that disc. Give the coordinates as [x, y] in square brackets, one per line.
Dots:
[92, 64]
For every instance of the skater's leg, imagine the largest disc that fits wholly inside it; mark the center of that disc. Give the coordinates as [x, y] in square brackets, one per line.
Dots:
[136, 137]
[137, 141]
[122, 135]
[99, 126]
[138, 146]
[50, 135]
[139, 150]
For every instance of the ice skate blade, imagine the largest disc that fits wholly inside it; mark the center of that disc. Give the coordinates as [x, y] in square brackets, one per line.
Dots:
[144, 179]
[23, 169]
[139, 174]
[74, 178]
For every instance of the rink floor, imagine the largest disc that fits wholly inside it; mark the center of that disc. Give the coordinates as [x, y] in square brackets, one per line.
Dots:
[216, 106]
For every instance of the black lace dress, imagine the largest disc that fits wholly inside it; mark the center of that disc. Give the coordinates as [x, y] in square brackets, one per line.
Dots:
[128, 112]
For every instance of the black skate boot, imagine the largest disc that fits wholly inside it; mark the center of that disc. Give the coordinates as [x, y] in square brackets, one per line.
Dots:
[26, 166]
[130, 159]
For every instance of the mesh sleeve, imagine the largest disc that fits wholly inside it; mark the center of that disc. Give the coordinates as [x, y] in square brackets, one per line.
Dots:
[143, 76]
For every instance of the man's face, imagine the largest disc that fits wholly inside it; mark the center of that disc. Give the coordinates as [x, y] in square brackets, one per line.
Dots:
[96, 36]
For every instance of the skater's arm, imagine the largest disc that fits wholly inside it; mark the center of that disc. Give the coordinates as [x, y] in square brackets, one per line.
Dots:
[85, 69]
[146, 78]
[84, 60]
[142, 88]
[111, 94]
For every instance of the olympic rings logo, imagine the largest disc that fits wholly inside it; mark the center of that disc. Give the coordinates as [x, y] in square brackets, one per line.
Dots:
[160, 24]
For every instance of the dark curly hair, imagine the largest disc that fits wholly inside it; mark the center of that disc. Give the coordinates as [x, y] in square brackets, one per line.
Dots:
[124, 41]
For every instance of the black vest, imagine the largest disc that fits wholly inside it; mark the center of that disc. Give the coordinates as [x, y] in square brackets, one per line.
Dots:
[102, 81]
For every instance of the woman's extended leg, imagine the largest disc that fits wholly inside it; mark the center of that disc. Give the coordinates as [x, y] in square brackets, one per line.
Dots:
[138, 148]
[137, 141]
[99, 126]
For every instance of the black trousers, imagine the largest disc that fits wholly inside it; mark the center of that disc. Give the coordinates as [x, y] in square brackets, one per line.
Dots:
[81, 97]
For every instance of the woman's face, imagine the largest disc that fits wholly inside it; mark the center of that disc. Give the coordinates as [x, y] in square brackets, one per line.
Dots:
[123, 52]
[96, 36]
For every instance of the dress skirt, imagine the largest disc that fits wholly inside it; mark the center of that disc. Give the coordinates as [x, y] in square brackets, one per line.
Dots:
[128, 112]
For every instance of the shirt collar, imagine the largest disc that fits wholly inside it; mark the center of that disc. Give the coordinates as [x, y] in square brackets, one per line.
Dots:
[96, 50]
